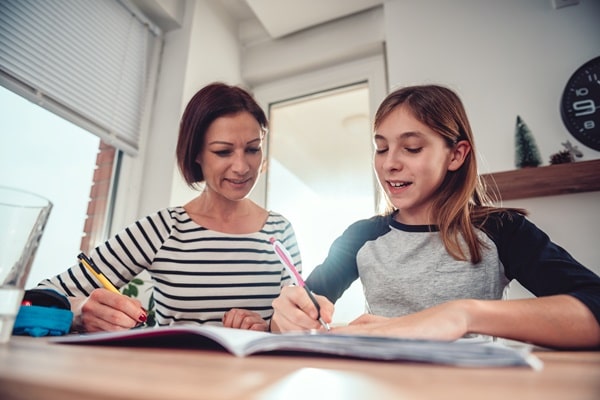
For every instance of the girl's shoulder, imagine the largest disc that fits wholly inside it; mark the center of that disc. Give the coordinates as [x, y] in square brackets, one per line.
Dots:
[509, 223]
[497, 217]
[369, 227]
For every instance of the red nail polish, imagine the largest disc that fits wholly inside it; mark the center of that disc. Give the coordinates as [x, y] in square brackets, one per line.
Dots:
[26, 303]
[142, 318]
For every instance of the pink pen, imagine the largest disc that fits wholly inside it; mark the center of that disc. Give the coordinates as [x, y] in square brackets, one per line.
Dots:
[286, 260]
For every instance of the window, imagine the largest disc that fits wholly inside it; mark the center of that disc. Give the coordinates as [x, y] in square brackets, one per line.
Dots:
[45, 154]
[85, 61]
[90, 63]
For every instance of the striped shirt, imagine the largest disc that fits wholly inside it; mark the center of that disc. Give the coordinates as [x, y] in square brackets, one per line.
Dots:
[197, 274]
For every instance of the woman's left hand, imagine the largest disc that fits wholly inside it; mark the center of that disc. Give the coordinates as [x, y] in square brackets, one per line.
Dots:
[244, 319]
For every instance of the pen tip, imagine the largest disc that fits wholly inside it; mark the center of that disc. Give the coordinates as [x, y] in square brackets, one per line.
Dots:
[272, 240]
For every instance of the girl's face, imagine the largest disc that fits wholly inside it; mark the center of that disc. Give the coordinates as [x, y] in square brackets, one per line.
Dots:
[411, 161]
[232, 155]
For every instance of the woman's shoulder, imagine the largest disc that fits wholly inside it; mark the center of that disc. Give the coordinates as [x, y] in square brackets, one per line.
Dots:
[166, 218]
[176, 213]
[277, 220]
[274, 217]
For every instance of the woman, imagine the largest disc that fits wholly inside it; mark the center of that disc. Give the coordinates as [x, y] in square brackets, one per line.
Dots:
[436, 264]
[210, 260]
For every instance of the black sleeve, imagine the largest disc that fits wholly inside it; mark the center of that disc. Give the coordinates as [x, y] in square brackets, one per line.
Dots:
[339, 270]
[540, 265]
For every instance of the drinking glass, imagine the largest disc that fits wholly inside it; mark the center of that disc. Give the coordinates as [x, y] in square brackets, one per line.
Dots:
[23, 216]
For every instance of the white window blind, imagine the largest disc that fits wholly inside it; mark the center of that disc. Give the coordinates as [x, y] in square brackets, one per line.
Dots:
[86, 61]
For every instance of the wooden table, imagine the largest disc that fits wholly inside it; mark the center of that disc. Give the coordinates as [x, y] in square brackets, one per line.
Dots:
[32, 368]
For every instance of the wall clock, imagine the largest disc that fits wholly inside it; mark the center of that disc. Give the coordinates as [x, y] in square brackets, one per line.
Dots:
[580, 104]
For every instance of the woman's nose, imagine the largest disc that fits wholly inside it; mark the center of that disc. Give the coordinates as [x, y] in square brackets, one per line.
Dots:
[240, 164]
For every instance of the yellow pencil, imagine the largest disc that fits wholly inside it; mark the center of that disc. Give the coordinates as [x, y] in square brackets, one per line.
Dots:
[89, 264]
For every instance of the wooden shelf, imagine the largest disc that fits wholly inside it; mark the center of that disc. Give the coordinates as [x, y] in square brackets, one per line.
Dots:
[575, 177]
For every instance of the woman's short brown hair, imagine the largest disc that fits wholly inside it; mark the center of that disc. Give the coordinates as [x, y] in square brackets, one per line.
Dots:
[209, 103]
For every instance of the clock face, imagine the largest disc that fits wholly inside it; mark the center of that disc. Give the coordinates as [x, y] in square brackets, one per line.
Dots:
[580, 104]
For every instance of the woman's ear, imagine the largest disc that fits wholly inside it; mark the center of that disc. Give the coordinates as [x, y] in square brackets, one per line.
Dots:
[459, 154]
[263, 167]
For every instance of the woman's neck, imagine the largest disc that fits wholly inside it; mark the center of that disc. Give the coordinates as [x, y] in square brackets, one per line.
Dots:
[219, 214]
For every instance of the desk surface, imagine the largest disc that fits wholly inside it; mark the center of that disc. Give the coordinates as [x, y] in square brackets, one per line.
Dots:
[31, 368]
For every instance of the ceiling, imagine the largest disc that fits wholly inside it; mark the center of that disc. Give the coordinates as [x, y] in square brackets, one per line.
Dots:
[283, 17]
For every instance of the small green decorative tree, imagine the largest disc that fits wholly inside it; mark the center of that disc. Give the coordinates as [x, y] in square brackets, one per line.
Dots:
[526, 151]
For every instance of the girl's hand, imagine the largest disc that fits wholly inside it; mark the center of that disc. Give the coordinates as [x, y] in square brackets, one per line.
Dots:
[104, 310]
[446, 321]
[244, 319]
[294, 311]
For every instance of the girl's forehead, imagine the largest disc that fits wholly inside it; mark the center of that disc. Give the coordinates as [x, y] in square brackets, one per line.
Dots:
[402, 123]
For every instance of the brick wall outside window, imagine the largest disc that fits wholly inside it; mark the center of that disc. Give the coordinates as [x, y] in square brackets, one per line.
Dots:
[99, 198]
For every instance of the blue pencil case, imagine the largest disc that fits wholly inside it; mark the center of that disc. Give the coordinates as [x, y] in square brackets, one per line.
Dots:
[44, 312]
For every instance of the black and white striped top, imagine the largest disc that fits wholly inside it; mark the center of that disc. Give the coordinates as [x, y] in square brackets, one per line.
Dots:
[197, 274]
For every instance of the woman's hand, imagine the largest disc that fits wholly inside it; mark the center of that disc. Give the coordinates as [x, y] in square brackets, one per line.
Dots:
[244, 319]
[294, 311]
[104, 310]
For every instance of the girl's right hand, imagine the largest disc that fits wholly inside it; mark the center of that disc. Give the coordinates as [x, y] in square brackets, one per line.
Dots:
[104, 310]
[294, 311]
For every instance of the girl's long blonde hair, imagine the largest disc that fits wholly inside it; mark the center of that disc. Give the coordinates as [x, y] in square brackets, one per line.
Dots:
[462, 200]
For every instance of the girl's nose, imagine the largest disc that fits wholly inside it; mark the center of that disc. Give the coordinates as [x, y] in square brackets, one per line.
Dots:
[392, 161]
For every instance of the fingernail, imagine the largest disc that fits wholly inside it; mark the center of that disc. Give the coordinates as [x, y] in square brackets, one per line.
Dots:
[142, 318]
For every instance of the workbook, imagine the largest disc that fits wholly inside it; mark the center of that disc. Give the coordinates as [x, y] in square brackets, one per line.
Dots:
[244, 343]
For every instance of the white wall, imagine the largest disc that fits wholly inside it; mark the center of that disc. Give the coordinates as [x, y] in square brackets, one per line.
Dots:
[506, 58]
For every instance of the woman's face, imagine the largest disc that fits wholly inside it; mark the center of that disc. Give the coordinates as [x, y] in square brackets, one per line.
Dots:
[232, 155]
[411, 161]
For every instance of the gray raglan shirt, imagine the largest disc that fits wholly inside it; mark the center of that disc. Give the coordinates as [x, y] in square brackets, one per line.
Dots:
[405, 268]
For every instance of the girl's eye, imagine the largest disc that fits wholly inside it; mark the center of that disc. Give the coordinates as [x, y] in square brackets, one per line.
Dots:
[381, 151]
[222, 153]
[253, 150]
[413, 150]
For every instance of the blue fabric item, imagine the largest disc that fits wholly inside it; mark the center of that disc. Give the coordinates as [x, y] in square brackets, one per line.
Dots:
[42, 321]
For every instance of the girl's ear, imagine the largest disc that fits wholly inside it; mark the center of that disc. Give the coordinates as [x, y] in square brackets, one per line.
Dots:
[459, 153]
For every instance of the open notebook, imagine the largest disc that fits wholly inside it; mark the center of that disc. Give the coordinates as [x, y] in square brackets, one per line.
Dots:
[243, 343]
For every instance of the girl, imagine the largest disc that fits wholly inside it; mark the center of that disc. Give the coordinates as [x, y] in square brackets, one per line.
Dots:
[436, 264]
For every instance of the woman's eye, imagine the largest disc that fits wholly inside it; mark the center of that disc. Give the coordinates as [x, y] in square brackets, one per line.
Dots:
[413, 150]
[381, 151]
[253, 150]
[222, 153]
